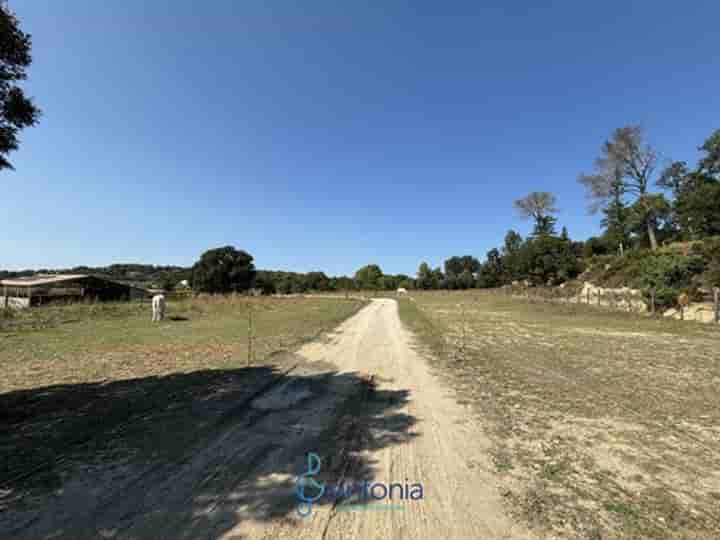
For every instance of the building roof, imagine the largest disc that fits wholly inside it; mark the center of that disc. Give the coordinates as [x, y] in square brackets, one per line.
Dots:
[41, 279]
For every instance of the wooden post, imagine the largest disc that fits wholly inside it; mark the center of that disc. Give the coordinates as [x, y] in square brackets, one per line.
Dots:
[716, 300]
[652, 301]
[251, 353]
[587, 294]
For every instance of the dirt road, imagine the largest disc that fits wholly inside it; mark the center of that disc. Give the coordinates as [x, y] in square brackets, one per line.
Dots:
[238, 479]
[443, 450]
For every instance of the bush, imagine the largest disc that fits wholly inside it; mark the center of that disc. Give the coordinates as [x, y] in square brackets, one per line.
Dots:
[595, 246]
[669, 275]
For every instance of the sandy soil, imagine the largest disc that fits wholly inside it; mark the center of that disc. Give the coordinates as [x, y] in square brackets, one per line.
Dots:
[447, 453]
[238, 482]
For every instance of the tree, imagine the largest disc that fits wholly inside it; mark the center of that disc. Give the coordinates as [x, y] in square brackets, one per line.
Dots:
[317, 281]
[265, 284]
[368, 277]
[513, 243]
[626, 166]
[696, 209]
[550, 260]
[424, 277]
[457, 265]
[465, 280]
[540, 206]
[16, 110]
[223, 270]
[616, 216]
[492, 272]
[438, 279]
[510, 255]
[674, 177]
[654, 211]
[710, 164]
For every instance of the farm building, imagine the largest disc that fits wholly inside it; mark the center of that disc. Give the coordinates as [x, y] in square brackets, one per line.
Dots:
[45, 288]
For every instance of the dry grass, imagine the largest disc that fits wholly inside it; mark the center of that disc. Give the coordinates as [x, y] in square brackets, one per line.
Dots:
[605, 425]
[106, 342]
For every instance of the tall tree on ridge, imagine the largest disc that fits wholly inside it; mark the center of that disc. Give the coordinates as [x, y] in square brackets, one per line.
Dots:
[626, 166]
[540, 206]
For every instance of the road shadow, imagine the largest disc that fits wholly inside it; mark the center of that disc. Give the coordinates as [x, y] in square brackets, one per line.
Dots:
[185, 455]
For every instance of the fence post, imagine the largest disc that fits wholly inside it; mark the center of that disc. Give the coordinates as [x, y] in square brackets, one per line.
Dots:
[716, 300]
[652, 302]
[587, 294]
[251, 353]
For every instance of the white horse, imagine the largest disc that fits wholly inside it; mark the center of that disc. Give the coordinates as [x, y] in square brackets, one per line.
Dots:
[158, 307]
[402, 291]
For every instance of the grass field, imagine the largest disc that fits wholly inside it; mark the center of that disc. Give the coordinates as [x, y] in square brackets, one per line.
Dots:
[98, 383]
[604, 425]
[104, 342]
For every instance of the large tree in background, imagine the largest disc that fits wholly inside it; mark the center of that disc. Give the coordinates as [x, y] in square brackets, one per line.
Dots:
[16, 110]
[455, 266]
[710, 163]
[223, 270]
[616, 220]
[424, 276]
[626, 166]
[539, 206]
[369, 277]
[492, 272]
[696, 193]
[511, 255]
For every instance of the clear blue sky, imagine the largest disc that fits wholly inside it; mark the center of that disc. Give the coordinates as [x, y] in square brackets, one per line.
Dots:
[329, 135]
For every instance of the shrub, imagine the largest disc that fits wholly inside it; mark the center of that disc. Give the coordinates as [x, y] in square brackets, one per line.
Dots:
[668, 275]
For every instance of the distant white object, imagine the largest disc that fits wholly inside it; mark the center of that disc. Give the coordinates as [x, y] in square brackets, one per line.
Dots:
[402, 291]
[158, 307]
[184, 284]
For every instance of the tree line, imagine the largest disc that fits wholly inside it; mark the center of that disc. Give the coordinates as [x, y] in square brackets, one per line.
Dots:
[643, 206]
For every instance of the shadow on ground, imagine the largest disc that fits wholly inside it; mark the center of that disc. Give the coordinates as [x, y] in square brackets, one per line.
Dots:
[185, 455]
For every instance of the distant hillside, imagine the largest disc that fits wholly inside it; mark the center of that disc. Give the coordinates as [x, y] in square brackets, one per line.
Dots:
[143, 275]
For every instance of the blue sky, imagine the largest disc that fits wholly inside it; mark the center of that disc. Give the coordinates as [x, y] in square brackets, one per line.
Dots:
[329, 135]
